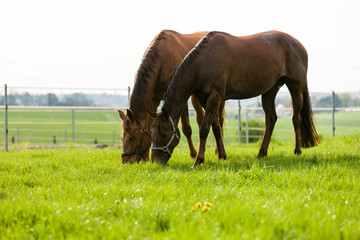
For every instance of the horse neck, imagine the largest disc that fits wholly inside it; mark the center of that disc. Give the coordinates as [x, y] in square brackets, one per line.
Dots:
[144, 90]
[177, 96]
[139, 101]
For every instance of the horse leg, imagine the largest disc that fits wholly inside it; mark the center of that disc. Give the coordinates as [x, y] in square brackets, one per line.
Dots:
[221, 125]
[200, 115]
[219, 140]
[297, 103]
[198, 109]
[268, 104]
[211, 111]
[186, 128]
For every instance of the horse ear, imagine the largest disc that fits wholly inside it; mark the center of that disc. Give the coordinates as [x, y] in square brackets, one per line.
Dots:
[152, 114]
[130, 114]
[165, 113]
[122, 115]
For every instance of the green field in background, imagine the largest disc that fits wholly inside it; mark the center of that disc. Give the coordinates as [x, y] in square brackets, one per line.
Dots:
[40, 127]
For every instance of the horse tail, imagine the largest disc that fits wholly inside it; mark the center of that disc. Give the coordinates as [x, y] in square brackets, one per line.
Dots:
[309, 136]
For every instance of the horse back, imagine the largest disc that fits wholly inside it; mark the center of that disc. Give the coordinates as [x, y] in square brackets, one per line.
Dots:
[244, 67]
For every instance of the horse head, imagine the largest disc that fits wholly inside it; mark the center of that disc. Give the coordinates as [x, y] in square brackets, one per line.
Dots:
[136, 140]
[165, 135]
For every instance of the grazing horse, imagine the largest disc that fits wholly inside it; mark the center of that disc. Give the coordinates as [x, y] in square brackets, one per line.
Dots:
[221, 67]
[158, 65]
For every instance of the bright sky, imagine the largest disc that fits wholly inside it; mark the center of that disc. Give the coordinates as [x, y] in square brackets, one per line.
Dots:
[99, 44]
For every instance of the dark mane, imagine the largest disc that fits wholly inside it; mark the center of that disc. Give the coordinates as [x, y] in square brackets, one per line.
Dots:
[142, 87]
[172, 90]
[189, 58]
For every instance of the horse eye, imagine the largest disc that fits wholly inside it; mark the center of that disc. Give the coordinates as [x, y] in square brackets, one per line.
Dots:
[132, 138]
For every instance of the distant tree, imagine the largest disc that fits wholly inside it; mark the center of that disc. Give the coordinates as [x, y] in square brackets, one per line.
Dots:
[26, 99]
[52, 99]
[348, 101]
[12, 100]
[326, 102]
[76, 99]
[40, 100]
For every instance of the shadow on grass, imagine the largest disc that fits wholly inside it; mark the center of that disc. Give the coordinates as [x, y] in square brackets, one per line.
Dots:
[276, 161]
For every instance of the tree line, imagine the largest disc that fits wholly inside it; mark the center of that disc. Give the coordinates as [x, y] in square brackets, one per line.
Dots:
[82, 99]
[74, 99]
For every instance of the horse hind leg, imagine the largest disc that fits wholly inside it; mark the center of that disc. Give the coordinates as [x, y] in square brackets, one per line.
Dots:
[268, 104]
[186, 129]
[296, 91]
[221, 124]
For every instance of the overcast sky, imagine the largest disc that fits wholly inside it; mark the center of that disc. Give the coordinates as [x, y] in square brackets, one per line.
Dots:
[99, 44]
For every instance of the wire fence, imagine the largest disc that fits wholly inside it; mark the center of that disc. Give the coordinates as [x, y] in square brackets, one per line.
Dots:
[100, 125]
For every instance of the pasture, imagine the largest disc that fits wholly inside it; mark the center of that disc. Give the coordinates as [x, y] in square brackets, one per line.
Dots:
[82, 193]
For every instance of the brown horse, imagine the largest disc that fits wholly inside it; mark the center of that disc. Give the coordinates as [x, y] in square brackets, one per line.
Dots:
[158, 65]
[222, 67]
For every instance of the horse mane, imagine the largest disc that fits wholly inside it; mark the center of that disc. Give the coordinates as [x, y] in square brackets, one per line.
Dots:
[142, 87]
[173, 90]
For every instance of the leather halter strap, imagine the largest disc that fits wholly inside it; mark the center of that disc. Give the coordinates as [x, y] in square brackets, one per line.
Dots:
[138, 151]
[166, 147]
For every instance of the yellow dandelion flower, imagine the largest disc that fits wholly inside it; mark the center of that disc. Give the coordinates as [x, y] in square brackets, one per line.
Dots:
[204, 209]
[193, 209]
[209, 204]
[198, 204]
[38, 188]
[117, 201]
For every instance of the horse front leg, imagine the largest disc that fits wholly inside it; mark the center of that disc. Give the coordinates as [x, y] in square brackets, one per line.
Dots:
[211, 111]
[219, 139]
[204, 132]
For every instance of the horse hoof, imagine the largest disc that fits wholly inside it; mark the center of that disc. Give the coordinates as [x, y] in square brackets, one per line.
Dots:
[198, 163]
[297, 151]
[193, 154]
[222, 156]
[262, 154]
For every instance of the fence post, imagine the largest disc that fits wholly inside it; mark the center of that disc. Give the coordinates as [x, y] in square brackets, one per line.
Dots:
[333, 112]
[18, 136]
[247, 127]
[73, 124]
[239, 122]
[6, 120]
[65, 136]
[129, 96]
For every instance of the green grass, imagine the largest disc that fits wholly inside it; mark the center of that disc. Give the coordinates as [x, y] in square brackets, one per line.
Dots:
[80, 193]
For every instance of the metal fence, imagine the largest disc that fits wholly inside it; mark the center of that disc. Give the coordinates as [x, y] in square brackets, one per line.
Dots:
[74, 128]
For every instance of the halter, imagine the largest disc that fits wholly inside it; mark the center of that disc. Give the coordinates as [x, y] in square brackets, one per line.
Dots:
[166, 147]
[137, 151]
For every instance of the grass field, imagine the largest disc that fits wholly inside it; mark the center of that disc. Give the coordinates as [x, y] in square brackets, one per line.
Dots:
[81, 193]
